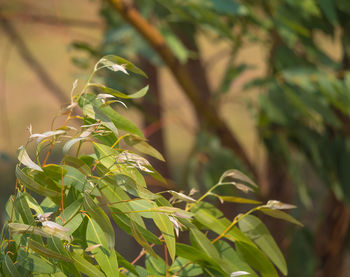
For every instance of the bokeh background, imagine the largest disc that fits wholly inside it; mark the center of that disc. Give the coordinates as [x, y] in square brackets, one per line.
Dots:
[272, 87]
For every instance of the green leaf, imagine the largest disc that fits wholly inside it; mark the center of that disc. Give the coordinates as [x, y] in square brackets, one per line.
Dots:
[56, 245]
[85, 267]
[176, 46]
[155, 266]
[166, 227]
[78, 164]
[44, 251]
[204, 243]
[256, 259]
[257, 232]
[235, 199]
[142, 92]
[119, 121]
[280, 215]
[124, 222]
[34, 186]
[211, 218]
[95, 113]
[138, 236]
[71, 215]
[227, 7]
[22, 207]
[329, 9]
[195, 255]
[34, 263]
[78, 180]
[140, 144]
[185, 267]
[9, 268]
[229, 254]
[109, 60]
[104, 255]
[101, 218]
[24, 158]
[124, 263]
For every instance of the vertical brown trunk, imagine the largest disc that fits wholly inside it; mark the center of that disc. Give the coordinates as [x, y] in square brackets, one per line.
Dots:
[331, 238]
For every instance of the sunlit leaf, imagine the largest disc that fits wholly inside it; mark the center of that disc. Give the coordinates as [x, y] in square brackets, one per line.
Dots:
[166, 227]
[257, 232]
[280, 215]
[142, 92]
[111, 60]
[24, 158]
[34, 186]
[104, 255]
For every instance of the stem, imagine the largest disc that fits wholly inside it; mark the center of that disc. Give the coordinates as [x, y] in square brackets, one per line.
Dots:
[48, 153]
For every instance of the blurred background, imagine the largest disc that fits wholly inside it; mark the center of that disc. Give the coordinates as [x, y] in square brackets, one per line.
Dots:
[261, 86]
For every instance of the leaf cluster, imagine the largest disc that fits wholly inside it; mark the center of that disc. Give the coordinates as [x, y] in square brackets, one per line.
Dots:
[61, 216]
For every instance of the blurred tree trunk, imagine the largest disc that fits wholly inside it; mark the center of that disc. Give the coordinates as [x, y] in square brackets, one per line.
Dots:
[207, 110]
[330, 239]
[333, 230]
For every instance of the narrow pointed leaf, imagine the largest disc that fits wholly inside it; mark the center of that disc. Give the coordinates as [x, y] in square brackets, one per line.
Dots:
[101, 218]
[257, 232]
[85, 267]
[30, 183]
[142, 92]
[281, 215]
[166, 227]
[105, 256]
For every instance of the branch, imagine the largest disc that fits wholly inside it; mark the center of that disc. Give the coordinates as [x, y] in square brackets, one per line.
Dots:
[183, 77]
[54, 20]
[27, 56]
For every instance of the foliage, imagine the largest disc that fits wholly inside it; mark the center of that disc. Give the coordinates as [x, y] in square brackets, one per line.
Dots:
[302, 115]
[67, 229]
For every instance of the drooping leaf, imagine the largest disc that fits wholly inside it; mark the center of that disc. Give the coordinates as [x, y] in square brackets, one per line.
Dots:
[256, 259]
[24, 158]
[34, 186]
[204, 243]
[138, 236]
[105, 256]
[166, 227]
[101, 218]
[140, 144]
[85, 267]
[257, 232]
